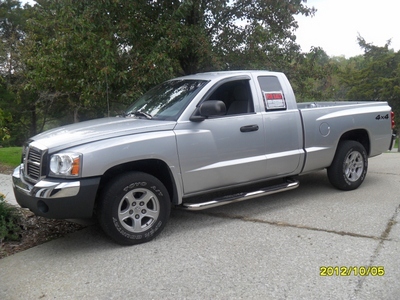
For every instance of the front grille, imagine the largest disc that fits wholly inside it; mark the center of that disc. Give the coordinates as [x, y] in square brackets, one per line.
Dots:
[33, 163]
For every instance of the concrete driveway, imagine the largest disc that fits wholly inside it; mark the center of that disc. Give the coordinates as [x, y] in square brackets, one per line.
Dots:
[267, 248]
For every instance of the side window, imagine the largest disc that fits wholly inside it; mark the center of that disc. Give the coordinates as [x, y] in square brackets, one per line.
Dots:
[236, 95]
[272, 93]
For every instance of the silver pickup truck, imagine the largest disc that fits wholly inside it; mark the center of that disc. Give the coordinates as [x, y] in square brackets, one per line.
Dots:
[196, 142]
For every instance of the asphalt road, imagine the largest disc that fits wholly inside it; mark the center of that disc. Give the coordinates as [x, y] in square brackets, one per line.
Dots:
[268, 248]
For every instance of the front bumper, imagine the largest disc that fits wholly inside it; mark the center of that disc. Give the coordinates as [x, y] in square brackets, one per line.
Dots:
[57, 198]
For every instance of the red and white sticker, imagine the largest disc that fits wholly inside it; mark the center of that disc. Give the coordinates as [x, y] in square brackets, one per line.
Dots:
[274, 100]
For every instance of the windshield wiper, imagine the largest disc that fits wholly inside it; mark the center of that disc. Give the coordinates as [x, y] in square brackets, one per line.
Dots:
[139, 114]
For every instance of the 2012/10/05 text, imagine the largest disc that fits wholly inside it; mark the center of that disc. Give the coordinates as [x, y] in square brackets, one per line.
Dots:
[352, 270]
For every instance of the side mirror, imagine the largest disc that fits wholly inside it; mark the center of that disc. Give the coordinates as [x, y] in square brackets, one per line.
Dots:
[210, 108]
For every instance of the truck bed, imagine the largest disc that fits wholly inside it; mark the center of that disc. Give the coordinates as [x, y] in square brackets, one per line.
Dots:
[326, 122]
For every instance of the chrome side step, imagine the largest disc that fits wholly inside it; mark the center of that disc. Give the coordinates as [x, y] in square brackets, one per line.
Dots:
[290, 184]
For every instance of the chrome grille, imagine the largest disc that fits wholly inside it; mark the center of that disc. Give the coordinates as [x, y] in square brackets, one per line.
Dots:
[33, 163]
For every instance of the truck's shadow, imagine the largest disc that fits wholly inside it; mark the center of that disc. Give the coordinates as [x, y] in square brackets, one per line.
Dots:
[313, 187]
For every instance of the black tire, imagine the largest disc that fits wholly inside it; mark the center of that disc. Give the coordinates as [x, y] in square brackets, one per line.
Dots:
[133, 208]
[349, 167]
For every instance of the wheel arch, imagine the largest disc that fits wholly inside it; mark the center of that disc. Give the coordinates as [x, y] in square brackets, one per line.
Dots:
[154, 167]
[358, 135]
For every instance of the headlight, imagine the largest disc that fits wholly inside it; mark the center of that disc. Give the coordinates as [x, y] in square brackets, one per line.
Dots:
[65, 164]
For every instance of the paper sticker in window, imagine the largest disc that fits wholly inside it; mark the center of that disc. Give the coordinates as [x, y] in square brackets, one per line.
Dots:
[274, 100]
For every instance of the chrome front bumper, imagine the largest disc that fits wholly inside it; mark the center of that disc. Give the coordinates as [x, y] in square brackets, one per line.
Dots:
[57, 198]
[45, 189]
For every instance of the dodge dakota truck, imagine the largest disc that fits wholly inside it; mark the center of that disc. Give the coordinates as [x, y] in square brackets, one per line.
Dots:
[196, 142]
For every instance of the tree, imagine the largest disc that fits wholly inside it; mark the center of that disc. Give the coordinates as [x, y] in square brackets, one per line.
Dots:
[83, 49]
[5, 116]
[11, 32]
[258, 34]
[238, 34]
[313, 76]
[14, 115]
[77, 60]
[377, 77]
[70, 56]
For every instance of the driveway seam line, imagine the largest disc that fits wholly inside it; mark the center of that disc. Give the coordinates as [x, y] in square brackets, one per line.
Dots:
[284, 224]
[382, 239]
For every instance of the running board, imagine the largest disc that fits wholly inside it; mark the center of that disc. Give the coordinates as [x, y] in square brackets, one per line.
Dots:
[290, 184]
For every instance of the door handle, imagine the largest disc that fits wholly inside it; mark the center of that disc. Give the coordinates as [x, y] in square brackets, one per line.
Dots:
[249, 128]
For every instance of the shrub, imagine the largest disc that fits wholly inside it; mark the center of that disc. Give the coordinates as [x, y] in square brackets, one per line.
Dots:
[9, 220]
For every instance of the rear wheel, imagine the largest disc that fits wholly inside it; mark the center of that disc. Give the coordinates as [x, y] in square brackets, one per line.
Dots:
[134, 208]
[349, 166]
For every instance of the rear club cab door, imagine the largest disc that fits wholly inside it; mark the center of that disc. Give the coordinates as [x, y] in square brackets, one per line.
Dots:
[282, 127]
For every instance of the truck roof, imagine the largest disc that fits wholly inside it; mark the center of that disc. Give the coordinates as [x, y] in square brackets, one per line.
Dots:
[225, 74]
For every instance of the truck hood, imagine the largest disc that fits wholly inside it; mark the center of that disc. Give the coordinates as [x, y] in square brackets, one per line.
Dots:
[99, 129]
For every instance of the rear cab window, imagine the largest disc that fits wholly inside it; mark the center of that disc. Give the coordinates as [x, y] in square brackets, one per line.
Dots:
[272, 93]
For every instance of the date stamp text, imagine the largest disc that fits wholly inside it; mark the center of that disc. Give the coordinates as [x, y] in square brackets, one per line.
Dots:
[351, 271]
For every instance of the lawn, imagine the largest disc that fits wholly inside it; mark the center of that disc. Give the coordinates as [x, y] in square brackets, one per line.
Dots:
[10, 156]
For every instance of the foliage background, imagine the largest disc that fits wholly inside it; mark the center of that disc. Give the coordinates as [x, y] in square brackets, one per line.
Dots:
[64, 61]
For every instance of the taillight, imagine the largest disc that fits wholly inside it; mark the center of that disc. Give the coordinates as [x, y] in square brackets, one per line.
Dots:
[392, 119]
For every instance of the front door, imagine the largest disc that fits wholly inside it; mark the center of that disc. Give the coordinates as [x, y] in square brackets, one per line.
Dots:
[226, 150]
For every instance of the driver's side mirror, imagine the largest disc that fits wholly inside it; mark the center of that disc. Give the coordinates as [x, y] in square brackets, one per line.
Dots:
[210, 108]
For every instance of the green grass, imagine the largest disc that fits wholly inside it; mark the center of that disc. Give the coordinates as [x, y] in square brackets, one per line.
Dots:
[10, 156]
[396, 143]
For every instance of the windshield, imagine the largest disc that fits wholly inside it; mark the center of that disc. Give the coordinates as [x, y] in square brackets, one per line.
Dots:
[167, 100]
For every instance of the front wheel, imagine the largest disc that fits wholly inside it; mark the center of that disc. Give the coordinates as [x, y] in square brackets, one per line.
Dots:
[349, 166]
[134, 208]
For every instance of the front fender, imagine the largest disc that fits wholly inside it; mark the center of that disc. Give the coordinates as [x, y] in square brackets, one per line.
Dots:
[103, 155]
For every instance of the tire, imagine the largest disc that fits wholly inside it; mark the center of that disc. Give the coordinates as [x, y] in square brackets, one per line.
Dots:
[349, 167]
[134, 208]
